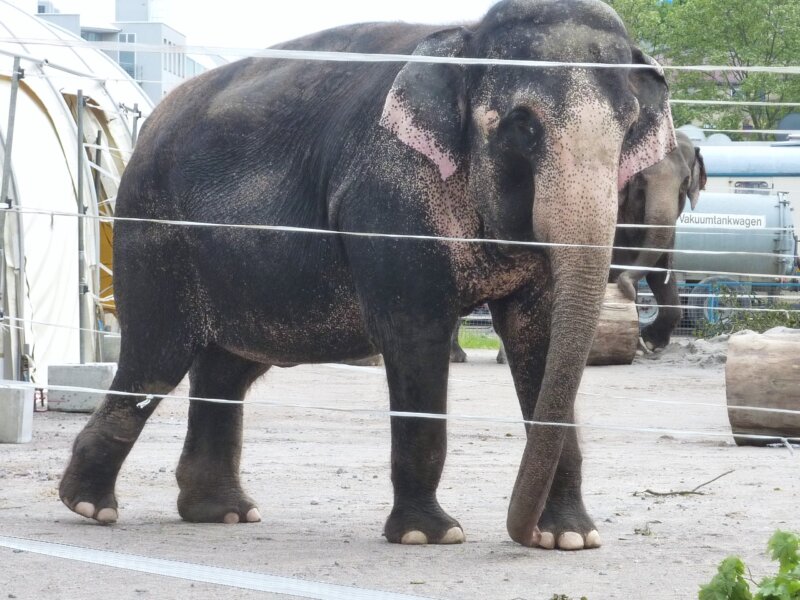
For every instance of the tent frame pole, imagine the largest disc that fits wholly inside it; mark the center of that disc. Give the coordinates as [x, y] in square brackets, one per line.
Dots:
[21, 373]
[83, 285]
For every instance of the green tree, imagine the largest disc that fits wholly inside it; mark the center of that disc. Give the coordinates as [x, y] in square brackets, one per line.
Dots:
[734, 33]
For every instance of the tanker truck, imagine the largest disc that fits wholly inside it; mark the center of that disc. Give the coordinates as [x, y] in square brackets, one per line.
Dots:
[751, 206]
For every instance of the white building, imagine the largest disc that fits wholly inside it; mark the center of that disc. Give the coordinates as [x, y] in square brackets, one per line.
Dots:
[158, 72]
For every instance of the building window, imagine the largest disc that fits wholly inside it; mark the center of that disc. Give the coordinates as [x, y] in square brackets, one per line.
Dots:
[127, 58]
[91, 36]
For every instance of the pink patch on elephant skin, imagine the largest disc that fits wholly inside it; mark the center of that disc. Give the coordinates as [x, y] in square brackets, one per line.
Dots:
[398, 120]
[652, 149]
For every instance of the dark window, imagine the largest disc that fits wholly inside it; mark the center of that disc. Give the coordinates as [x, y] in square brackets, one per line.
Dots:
[751, 187]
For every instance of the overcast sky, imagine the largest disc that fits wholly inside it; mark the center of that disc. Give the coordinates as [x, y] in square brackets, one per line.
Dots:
[257, 24]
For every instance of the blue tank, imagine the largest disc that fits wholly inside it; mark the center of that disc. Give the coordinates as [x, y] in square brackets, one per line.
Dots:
[751, 160]
[729, 222]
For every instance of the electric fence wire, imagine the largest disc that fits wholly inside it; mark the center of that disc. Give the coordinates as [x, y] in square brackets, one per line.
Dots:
[418, 237]
[355, 57]
[327, 56]
[376, 371]
[146, 399]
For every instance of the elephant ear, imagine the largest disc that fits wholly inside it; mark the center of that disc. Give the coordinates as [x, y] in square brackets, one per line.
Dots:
[652, 136]
[699, 178]
[426, 107]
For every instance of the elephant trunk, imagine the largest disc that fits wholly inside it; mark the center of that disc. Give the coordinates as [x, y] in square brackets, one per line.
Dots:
[586, 217]
[659, 189]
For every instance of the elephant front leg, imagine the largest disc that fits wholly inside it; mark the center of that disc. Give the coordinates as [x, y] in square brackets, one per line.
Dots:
[523, 323]
[417, 369]
[665, 291]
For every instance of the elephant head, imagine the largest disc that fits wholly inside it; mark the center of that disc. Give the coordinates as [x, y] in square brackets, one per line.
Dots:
[543, 152]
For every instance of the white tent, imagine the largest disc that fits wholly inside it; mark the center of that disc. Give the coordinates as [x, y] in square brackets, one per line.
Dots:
[40, 293]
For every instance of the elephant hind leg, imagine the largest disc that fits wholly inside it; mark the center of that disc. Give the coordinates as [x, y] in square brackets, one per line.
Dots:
[208, 472]
[87, 486]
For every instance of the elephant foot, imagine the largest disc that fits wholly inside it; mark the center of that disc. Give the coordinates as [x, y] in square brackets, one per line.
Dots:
[90, 501]
[457, 355]
[230, 507]
[567, 530]
[654, 341]
[415, 526]
[502, 359]
[87, 485]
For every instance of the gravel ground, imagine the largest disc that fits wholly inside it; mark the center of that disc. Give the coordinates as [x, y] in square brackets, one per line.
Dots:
[322, 481]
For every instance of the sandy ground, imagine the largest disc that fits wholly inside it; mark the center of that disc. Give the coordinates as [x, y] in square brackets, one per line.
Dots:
[322, 481]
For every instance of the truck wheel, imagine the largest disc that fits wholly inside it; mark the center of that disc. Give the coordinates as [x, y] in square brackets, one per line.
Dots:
[712, 295]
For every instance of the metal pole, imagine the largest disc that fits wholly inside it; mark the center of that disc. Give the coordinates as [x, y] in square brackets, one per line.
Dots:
[83, 287]
[96, 313]
[136, 116]
[17, 74]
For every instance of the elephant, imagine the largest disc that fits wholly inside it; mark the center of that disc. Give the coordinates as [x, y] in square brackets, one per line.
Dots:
[497, 152]
[657, 196]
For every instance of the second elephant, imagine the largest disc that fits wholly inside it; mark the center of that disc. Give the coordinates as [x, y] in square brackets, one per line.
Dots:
[656, 197]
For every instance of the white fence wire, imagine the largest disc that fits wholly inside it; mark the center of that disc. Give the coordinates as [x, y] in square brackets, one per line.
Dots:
[382, 58]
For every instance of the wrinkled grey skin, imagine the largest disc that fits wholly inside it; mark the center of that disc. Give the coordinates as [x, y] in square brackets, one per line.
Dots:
[501, 152]
[657, 196]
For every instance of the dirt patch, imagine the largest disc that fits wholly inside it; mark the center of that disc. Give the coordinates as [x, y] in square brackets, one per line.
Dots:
[322, 482]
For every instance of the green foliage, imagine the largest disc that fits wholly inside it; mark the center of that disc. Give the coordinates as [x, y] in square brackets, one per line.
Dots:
[785, 548]
[738, 320]
[468, 338]
[735, 33]
[730, 583]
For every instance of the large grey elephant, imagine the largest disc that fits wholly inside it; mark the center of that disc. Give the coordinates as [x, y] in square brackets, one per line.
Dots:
[498, 152]
[656, 197]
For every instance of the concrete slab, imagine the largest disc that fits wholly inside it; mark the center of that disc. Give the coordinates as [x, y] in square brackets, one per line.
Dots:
[16, 416]
[96, 376]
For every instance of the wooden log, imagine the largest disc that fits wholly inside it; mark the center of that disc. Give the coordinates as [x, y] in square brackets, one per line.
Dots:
[763, 371]
[617, 334]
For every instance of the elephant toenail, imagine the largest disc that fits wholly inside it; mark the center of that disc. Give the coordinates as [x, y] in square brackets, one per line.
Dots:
[253, 516]
[107, 515]
[455, 535]
[547, 540]
[85, 509]
[570, 540]
[414, 538]
[593, 539]
[231, 518]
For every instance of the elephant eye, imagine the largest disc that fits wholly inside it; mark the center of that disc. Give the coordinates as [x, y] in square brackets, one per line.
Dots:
[520, 131]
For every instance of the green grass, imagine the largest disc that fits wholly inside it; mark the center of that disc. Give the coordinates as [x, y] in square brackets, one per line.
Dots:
[471, 339]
